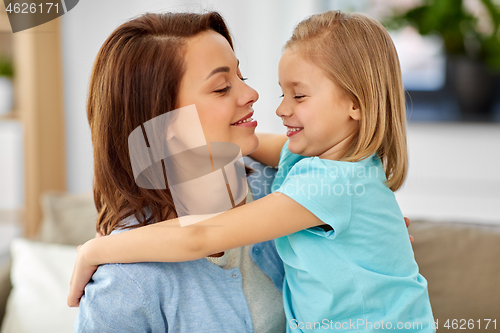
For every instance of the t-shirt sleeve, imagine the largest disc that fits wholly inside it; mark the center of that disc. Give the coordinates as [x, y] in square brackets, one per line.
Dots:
[322, 190]
[287, 161]
[114, 303]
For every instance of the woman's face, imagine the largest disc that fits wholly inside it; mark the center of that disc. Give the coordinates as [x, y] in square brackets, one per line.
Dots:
[213, 82]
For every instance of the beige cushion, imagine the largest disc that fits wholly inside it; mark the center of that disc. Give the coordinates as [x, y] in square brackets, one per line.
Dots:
[40, 285]
[461, 263]
[5, 286]
[68, 219]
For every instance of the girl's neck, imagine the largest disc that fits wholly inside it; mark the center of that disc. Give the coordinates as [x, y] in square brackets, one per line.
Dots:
[340, 150]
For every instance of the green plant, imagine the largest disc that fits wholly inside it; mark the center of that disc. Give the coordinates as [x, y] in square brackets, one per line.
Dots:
[457, 27]
[6, 67]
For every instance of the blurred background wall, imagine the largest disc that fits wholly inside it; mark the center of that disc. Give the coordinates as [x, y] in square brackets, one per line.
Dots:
[453, 163]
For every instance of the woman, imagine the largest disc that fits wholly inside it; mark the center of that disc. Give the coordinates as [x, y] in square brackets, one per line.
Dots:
[149, 66]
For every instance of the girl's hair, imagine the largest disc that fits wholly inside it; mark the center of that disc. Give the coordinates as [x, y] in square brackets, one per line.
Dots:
[136, 77]
[357, 54]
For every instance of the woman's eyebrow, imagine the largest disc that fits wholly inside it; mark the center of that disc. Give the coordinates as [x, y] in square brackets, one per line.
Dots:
[223, 69]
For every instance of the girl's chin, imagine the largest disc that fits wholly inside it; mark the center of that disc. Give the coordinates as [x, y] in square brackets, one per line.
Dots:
[295, 149]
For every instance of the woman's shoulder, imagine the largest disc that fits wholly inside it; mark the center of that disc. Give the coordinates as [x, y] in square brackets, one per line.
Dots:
[135, 276]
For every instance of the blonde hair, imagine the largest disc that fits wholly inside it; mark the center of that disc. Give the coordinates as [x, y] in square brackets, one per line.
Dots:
[357, 54]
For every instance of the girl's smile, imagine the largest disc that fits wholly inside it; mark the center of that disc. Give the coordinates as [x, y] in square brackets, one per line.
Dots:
[291, 130]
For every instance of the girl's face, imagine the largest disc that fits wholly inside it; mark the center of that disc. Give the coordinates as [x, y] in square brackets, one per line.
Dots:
[213, 82]
[321, 120]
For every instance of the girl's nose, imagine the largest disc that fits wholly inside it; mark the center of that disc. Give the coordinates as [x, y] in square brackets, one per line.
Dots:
[283, 110]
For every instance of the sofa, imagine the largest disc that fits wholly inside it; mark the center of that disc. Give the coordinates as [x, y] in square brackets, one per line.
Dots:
[461, 263]
[35, 283]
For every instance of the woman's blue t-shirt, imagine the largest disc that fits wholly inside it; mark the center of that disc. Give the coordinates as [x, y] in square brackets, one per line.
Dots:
[360, 276]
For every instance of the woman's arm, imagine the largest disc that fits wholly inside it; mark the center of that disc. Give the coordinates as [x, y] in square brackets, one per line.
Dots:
[271, 217]
[269, 148]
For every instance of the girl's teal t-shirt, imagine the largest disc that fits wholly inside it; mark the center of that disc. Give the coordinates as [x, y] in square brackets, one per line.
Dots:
[361, 276]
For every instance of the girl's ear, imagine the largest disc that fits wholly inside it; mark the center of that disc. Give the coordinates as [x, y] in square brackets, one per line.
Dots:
[355, 112]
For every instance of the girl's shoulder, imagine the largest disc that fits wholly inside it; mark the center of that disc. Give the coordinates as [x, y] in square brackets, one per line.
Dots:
[289, 160]
[368, 171]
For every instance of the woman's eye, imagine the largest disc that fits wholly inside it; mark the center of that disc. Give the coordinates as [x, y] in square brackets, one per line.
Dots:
[243, 78]
[282, 95]
[223, 90]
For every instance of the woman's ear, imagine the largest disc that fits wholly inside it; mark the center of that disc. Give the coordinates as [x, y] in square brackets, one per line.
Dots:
[355, 112]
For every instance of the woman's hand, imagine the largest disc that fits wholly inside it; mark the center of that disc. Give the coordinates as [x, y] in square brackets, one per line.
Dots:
[82, 273]
[407, 221]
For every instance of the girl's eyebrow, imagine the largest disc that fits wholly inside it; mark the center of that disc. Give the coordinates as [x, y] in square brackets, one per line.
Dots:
[294, 84]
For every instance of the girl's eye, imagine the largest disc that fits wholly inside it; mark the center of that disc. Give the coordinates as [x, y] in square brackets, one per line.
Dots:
[223, 90]
[296, 96]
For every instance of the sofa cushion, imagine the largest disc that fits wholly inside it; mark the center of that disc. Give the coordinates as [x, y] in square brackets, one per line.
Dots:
[68, 219]
[40, 286]
[461, 264]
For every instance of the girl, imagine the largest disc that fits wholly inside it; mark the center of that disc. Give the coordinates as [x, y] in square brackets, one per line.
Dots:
[348, 262]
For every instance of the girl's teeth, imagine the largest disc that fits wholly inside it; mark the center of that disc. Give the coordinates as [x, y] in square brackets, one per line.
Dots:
[294, 129]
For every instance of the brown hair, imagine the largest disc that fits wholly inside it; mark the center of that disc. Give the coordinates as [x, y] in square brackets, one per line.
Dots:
[357, 54]
[136, 77]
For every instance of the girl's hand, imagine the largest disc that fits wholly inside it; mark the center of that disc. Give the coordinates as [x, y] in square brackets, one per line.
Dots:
[407, 221]
[82, 273]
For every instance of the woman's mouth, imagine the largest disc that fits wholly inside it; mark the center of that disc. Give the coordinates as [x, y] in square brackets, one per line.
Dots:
[246, 122]
[293, 130]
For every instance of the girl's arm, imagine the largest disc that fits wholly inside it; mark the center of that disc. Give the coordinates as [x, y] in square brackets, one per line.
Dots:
[269, 148]
[271, 217]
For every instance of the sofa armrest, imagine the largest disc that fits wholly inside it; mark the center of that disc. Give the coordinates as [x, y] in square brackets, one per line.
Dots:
[5, 287]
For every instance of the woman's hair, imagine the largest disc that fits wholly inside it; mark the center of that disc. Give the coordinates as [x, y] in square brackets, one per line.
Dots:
[357, 54]
[136, 77]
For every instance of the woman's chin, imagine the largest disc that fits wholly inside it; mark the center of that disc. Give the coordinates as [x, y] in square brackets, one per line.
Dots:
[250, 145]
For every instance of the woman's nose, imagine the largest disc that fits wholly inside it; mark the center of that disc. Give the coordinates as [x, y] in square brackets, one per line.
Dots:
[249, 95]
